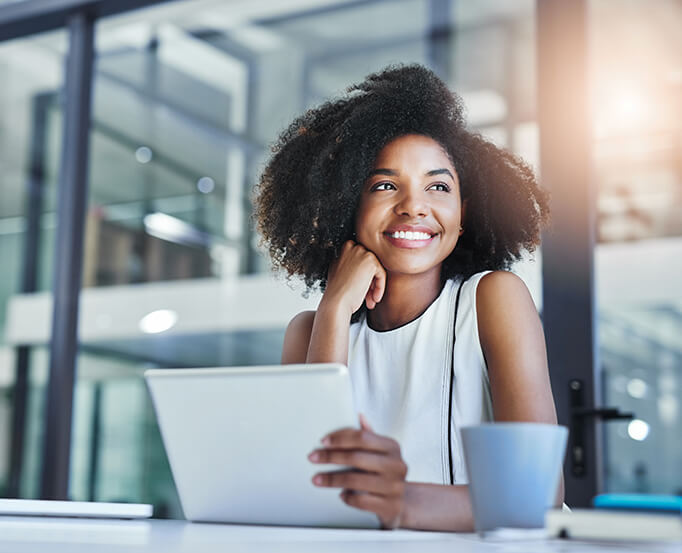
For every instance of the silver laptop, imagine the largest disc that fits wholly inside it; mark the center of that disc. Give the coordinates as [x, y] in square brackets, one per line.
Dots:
[238, 439]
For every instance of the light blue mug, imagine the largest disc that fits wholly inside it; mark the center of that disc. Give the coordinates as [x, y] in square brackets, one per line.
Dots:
[514, 470]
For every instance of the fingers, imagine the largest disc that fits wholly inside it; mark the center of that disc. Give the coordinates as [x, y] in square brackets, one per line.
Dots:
[359, 482]
[379, 284]
[356, 275]
[361, 460]
[369, 299]
[376, 481]
[352, 438]
[364, 423]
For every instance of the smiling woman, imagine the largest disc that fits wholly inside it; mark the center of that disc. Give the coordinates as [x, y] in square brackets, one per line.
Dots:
[406, 220]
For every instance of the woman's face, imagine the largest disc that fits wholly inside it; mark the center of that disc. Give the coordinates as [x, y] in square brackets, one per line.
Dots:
[410, 210]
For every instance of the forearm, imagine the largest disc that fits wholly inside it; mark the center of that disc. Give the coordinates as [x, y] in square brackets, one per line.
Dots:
[437, 507]
[329, 336]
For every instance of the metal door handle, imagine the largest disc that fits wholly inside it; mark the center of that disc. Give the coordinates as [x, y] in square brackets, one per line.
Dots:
[604, 413]
[579, 414]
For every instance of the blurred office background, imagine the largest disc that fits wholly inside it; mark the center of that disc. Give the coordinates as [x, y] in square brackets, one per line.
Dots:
[187, 97]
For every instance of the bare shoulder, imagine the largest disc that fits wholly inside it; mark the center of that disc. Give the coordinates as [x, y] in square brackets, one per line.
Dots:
[497, 285]
[297, 338]
[302, 323]
[507, 317]
[514, 348]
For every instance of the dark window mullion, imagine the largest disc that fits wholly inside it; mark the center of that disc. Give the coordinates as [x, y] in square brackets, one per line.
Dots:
[71, 210]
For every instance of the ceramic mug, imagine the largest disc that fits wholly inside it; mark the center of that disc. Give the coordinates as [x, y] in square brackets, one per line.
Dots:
[514, 471]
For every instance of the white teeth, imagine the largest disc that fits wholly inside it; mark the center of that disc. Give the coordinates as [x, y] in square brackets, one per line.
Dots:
[409, 235]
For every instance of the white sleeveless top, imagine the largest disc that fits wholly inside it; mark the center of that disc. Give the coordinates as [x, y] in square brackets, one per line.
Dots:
[401, 382]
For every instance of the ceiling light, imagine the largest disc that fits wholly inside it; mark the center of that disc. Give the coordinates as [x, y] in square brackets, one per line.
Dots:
[158, 321]
[205, 185]
[143, 154]
[172, 229]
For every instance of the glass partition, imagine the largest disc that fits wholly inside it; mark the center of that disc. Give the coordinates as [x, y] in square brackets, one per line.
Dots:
[30, 131]
[188, 97]
[637, 125]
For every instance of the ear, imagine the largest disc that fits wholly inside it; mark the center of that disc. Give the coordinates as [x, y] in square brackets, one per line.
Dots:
[462, 216]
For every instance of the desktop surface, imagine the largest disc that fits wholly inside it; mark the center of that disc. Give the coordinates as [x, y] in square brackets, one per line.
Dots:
[39, 534]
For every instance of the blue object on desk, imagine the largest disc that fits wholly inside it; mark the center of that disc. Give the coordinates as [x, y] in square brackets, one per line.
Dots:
[639, 502]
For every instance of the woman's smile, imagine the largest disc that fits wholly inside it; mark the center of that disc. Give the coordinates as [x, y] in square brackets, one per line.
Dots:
[407, 236]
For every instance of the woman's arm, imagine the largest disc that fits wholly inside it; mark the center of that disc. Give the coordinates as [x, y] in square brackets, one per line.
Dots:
[514, 348]
[322, 336]
[317, 337]
[513, 344]
[437, 507]
[297, 338]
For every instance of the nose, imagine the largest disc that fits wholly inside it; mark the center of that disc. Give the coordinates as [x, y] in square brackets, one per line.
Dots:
[412, 204]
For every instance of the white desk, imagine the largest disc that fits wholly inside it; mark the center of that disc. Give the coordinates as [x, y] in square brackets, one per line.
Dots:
[33, 535]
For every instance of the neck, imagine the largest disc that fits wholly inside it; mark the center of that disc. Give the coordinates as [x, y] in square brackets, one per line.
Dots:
[406, 297]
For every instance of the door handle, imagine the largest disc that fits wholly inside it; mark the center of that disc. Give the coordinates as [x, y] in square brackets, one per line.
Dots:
[604, 413]
[579, 415]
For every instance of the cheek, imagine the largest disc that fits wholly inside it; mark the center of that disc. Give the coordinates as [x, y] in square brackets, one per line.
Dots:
[366, 218]
[450, 215]
[364, 236]
[359, 222]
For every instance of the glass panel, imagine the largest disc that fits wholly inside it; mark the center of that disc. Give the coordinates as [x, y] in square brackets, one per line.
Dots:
[637, 98]
[493, 68]
[30, 135]
[187, 98]
[184, 112]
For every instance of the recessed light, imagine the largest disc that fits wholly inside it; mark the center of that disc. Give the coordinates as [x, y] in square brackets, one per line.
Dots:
[143, 154]
[158, 321]
[205, 185]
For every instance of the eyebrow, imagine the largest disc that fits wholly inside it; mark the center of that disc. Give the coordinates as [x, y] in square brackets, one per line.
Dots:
[393, 173]
[440, 172]
[386, 172]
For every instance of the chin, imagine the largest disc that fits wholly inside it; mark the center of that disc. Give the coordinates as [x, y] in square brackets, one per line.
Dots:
[407, 263]
[408, 268]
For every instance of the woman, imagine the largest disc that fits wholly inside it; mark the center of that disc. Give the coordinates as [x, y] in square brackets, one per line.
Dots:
[407, 221]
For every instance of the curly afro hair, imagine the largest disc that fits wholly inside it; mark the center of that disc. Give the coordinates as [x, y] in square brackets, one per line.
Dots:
[310, 189]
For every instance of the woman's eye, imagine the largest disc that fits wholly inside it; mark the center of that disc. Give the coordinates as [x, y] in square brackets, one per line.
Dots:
[440, 187]
[383, 186]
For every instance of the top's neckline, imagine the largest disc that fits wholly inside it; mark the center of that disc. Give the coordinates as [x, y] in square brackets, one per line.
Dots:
[413, 321]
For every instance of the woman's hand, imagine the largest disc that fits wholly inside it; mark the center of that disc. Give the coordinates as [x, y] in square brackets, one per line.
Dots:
[377, 481]
[356, 276]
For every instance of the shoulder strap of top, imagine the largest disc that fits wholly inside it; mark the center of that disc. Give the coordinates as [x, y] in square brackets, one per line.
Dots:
[452, 378]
